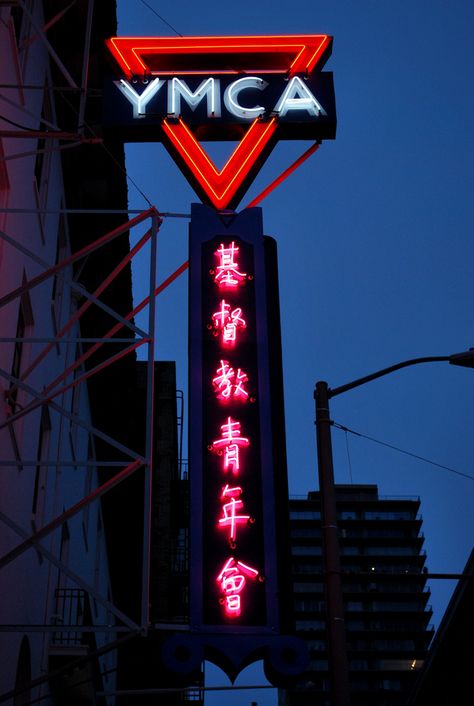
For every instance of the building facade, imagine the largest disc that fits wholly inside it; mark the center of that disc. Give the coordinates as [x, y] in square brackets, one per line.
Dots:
[50, 457]
[385, 595]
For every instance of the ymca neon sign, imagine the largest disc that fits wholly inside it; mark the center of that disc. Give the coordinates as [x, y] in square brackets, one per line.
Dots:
[253, 90]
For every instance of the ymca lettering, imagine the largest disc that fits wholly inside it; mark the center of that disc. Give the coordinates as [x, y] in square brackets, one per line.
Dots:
[244, 99]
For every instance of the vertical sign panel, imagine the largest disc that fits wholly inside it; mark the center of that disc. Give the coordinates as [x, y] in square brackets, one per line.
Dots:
[233, 547]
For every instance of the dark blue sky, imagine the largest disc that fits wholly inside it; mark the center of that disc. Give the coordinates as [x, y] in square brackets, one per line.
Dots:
[375, 246]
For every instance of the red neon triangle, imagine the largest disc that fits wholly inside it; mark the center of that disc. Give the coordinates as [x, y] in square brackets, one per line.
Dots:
[220, 186]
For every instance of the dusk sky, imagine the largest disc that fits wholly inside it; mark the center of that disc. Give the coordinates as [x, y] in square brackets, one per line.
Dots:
[376, 252]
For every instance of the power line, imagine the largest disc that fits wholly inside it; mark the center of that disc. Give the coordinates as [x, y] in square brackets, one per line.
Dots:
[161, 18]
[24, 127]
[110, 154]
[402, 451]
[349, 458]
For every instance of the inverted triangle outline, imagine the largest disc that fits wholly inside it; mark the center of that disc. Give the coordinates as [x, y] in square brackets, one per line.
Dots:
[220, 187]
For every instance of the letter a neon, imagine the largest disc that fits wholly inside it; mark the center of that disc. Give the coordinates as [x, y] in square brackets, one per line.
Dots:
[297, 96]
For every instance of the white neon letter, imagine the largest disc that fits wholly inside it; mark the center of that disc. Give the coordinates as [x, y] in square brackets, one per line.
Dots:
[139, 101]
[210, 88]
[231, 97]
[297, 96]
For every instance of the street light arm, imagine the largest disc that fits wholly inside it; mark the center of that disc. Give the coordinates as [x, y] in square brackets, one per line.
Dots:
[466, 359]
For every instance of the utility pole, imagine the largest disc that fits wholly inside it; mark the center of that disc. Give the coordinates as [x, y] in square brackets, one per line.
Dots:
[336, 631]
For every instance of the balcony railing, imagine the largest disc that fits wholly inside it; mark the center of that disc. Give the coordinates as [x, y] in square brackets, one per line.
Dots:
[72, 604]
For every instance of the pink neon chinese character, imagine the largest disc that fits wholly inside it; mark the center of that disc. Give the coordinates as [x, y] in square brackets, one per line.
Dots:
[228, 383]
[228, 322]
[230, 519]
[230, 441]
[228, 274]
[232, 580]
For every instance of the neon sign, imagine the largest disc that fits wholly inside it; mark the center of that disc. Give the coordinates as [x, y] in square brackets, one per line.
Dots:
[232, 462]
[253, 90]
[240, 586]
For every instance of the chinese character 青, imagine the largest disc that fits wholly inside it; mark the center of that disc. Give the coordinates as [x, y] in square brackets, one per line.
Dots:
[230, 442]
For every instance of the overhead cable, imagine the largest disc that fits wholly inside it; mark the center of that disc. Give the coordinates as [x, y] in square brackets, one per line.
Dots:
[407, 453]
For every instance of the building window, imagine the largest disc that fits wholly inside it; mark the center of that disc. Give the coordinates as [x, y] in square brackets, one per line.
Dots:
[43, 161]
[87, 489]
[75, 404]
[389, 515]
[98, 576]
[393, 645]
[319, 665]
[350, 550]
[399, 665]
[306, 568]
[20, 349]
[58, 279]
[359, 665]
[393, 551]
[23, 328]
[305, 515]
[17, 14]
[180, 558]
[391, 685]
[347, 515]
[17, 355]
[41, 472]
[308, 604]
[316, 645]
[4, 191]
[397, 606]
[310, 624]
[20, 28]
[308, 587]
[354, 605]
[306, 551]
[63, 555]
[305, 532]
[23, 675]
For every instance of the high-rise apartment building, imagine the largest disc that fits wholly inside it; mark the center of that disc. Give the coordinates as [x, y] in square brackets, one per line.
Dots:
[385, 595]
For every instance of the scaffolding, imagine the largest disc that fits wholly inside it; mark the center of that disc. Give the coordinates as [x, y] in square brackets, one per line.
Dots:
[124, 337]
[54, 388]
